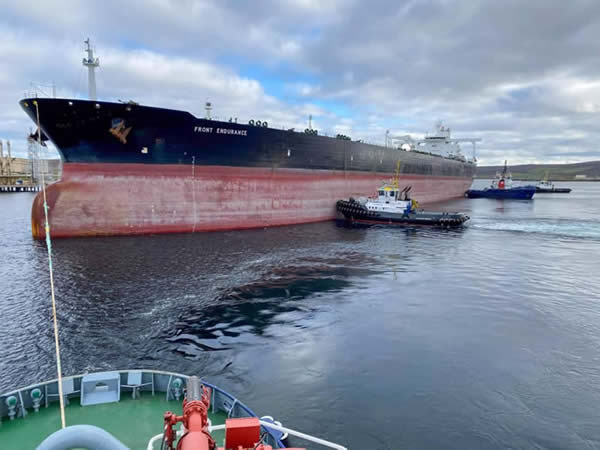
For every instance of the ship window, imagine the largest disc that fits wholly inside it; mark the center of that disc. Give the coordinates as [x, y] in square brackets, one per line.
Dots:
[381, 193]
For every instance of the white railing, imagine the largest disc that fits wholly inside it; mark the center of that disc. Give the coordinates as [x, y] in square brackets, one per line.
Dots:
[264, 423]
[308, 437]
[55, 380]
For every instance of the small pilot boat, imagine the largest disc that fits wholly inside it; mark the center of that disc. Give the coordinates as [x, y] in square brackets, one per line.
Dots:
[547, 187]
[393, 206]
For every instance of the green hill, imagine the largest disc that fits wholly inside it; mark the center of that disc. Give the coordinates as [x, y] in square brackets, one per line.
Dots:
[556, 172]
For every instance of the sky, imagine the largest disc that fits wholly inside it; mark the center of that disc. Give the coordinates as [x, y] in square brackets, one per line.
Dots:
[522, 75]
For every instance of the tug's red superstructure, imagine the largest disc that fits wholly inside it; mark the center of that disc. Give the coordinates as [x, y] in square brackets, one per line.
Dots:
[240, 434]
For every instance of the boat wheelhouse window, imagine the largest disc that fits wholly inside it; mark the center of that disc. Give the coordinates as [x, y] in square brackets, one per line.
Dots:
[381, 192]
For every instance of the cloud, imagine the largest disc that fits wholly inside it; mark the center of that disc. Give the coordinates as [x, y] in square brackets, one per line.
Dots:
[523, 76]
[145, 76]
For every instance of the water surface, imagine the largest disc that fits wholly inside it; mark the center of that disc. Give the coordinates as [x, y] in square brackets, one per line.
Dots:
[485, 337]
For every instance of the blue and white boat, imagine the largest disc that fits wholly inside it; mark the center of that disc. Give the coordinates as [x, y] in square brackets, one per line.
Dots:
[502, 187]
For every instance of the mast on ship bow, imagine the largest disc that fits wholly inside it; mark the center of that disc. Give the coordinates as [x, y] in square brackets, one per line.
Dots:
[91, 64]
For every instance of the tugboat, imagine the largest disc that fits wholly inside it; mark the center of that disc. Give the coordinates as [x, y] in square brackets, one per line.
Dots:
[395, 207]
[136, 409]
[547, 187]
[502, 187]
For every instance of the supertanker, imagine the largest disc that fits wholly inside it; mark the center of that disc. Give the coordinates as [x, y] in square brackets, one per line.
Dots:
[132, 169]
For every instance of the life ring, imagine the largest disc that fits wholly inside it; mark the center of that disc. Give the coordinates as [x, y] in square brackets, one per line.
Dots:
[258, 123]
[251, 122]
[265, 124]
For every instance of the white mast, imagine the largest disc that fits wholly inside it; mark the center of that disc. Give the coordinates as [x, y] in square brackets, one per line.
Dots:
[91, 64]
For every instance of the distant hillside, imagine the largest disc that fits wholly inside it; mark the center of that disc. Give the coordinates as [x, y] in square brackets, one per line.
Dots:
[556, 172]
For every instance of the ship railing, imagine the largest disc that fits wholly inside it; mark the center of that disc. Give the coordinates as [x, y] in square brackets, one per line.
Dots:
[264, 423]
[327, 133]
[30, 94]
[300, 435]
[221, 400]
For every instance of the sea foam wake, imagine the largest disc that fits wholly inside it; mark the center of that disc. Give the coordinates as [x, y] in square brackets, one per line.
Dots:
[589, 229]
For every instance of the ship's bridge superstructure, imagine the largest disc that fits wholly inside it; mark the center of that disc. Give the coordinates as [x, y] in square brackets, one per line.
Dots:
[439, 142]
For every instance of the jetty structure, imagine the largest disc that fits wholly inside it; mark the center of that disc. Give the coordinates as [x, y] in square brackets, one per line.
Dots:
[136, 169]
[24, 174]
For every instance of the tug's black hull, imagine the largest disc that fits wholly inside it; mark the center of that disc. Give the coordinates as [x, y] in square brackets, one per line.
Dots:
[355, 212]
[539, 190]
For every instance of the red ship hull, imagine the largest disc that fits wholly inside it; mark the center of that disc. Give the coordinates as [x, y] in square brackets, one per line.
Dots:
[95, 199]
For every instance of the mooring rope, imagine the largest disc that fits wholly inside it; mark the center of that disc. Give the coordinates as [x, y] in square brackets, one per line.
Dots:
[49, 247]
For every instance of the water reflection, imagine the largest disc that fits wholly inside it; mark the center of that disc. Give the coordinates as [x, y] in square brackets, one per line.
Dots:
[252, 308]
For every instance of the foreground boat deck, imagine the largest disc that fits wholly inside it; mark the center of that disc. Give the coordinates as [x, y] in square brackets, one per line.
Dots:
[133, 422]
